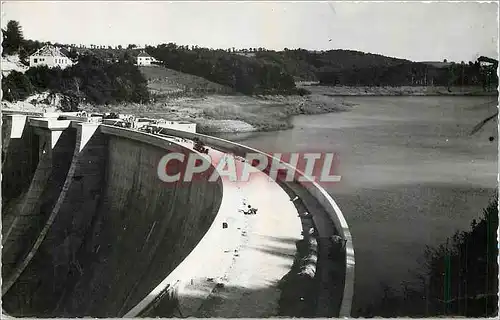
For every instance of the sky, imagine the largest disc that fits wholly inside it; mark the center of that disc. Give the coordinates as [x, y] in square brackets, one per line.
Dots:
[417, 31]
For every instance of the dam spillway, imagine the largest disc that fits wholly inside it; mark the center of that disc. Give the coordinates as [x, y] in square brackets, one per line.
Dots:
[85, 218]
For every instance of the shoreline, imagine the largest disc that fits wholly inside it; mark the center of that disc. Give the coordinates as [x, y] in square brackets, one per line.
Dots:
[274, 114]
[403, 91]
[214, 114]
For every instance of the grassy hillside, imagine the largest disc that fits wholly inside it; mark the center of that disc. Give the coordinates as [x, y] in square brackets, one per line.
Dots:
[166, 82]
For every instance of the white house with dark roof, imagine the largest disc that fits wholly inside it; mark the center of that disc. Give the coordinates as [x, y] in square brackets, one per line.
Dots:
[144, 59]
[51, 57]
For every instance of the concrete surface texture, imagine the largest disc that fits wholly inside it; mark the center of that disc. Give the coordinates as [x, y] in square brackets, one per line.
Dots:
[247, 260]
[324, 296]
[336, 278]
[250, 287]
[111, 239]
[25, 220]
[24, 217]
[115, 231]
[19, 156]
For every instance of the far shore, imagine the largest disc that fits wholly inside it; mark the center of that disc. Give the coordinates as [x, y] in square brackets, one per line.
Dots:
[340, 91]
[239, 113]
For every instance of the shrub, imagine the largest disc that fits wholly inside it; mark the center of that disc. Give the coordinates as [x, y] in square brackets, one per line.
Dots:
[16, 86]
[303, 92]
[460, 277]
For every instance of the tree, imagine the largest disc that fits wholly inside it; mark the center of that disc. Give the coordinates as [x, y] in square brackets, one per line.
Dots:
[16, 86]
[459, 277]
[13, 38]
[445, 60]
[72, 54]
[127, 58]
[468, 258]
[24, 56]
[132, 46]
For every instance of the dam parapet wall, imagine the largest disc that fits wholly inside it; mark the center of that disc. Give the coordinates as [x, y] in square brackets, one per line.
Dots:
[336, 280]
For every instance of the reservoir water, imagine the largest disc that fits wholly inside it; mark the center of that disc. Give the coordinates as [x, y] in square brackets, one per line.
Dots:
[411, 172]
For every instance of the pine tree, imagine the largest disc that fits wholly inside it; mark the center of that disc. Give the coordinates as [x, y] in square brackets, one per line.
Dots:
[13, 38]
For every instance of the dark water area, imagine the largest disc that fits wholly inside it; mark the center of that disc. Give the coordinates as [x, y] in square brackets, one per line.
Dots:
[412, 175]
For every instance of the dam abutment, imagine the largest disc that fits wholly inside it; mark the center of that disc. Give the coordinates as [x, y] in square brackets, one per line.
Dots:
[26, 216]
[19, 155]
[70, 209]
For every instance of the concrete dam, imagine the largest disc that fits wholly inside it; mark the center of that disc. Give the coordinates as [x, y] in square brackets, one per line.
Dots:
[89, 228]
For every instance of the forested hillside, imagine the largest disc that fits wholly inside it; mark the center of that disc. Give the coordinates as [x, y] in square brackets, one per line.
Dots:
[307, 65]
[244, 74]
[254, 71]
[90, 80]
[354, 68]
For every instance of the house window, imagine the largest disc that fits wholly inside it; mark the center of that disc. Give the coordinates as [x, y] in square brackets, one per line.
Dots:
[35, 60]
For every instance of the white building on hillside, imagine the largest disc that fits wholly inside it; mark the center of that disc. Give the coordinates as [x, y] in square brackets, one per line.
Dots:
[51, 57]
[144, 59]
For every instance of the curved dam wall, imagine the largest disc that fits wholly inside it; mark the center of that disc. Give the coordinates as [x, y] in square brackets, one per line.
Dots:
[115, 231]
[336, 281]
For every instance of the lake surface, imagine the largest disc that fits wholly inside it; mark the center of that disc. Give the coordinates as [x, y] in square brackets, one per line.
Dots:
[411, 172]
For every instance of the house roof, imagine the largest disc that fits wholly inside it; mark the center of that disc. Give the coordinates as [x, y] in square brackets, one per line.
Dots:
[487, 59]
[143, 54]
[49, 51]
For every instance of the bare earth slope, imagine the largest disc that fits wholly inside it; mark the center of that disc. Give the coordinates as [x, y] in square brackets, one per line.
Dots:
[163, 81]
